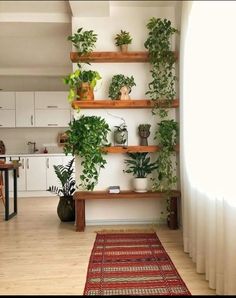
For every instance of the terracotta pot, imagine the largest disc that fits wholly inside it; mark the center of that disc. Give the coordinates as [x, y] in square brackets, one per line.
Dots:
[85, 92]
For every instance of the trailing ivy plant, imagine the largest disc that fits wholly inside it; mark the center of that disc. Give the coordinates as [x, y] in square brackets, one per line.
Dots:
[162, 59]
[167, 136]
[86, 136]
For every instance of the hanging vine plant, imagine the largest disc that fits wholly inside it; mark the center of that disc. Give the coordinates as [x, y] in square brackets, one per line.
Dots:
[162, 59]
[162, 88]
[167, 136]
[86, 136]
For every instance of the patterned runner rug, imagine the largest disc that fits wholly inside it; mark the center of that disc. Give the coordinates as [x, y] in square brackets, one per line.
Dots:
[132, 264]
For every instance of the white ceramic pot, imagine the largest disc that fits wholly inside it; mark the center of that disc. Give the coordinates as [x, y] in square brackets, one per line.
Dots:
[140, 184]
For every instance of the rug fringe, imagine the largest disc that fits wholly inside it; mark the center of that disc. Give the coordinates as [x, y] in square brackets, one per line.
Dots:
[118, 231]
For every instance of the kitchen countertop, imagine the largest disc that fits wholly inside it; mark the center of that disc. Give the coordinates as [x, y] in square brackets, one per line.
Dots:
[35, 154]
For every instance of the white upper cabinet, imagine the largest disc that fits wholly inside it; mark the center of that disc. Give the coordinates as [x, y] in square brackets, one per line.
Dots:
[7, 109]
[52, 118]
[7, 100]
[51, 100]
[7, 118]
[24, 109]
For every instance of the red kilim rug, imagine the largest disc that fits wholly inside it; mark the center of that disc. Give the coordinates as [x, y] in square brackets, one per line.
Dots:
[132, 264]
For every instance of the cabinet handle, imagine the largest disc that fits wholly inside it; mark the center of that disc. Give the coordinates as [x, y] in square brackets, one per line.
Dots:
[1, 125]
[0, 107]
[31, 119]
[52, 107]
[27, 163]
[48, 163]
[23, 164]
[51, 124]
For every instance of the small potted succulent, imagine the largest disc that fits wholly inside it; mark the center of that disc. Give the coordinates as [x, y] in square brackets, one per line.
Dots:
[144, 133]
[123, 39]
[81, 84]
[139, 164]
[116, 88]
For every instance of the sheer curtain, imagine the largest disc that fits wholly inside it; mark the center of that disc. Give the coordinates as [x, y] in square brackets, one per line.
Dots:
[208, 139]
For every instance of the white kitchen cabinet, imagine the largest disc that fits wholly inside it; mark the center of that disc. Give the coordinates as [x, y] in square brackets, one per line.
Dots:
[52, 118]
[7, 100]
[51, 100]
[51, 177]
[7, 109]
[24, 109]
[35, 173]
[7, 118]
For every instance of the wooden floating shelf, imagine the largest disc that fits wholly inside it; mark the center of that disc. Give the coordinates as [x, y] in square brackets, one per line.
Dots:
[137, 56]
[120, 104]
[133, 149]
[118, 149]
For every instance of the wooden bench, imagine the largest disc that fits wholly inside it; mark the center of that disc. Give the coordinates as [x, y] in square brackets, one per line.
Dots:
[81, 196]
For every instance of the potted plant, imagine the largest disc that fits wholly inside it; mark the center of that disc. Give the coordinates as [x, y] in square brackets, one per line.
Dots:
[83, 41]
[86, 137]
[121, 135]
[140, 165]
[123, 39]
[144, 133]
[81, 84]
[66, 205]
[118, 81]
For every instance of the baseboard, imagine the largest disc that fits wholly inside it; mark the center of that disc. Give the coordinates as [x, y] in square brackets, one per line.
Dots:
[124, 222]
[27, 194]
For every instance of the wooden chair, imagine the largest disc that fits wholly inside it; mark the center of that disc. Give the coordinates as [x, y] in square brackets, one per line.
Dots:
[2, 185]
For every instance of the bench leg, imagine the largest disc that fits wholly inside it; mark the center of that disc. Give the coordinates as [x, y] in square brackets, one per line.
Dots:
[80, 215]
[173, 216]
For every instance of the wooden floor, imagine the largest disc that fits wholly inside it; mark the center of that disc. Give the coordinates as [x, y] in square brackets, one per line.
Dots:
[41, 255]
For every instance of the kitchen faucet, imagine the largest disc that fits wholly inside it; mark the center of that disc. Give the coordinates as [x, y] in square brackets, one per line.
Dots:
[34, 148]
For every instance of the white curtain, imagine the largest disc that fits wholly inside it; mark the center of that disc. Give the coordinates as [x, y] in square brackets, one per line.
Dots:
[208, 139]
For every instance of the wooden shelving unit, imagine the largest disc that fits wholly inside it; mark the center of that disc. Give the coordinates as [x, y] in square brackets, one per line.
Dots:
[120, 104]
[133, 149]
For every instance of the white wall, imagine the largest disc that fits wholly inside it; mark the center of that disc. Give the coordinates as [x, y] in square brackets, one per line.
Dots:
[15, 139]
[134, 20]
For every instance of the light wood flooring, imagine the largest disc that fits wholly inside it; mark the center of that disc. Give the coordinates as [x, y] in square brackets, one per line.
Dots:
[39, 255]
